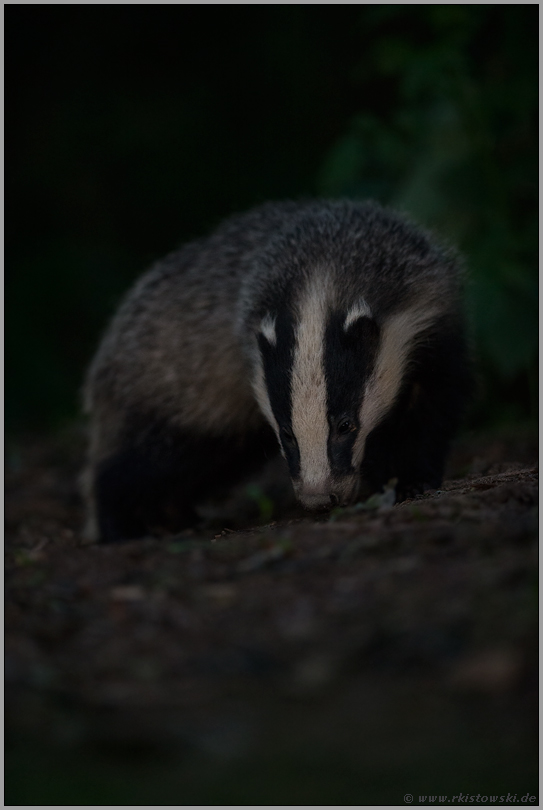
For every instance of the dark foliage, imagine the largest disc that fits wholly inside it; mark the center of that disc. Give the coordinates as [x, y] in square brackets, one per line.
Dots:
[132, 129]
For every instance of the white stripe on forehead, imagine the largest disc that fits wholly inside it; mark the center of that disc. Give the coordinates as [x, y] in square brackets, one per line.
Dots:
[360, 310]
[308, 388]
[261, 394]
[399, 335]
[267, 328]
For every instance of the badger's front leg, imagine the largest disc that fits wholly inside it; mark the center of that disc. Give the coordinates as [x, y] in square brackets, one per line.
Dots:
[412, 443]
[143, 489]
[151, 485]
[410, 448]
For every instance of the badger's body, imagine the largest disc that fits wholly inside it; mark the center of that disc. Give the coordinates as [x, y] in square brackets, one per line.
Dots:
[331, 331]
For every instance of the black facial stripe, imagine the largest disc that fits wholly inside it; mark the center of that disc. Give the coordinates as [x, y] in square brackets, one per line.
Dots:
[340, 454]
[349, 357]
[277, 361]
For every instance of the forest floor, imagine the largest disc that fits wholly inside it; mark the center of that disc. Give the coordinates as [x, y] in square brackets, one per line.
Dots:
[333, 661]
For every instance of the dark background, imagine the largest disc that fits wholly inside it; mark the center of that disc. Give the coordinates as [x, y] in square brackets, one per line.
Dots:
[130, 129]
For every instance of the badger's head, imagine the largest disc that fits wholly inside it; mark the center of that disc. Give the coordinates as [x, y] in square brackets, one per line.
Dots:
[326, 376]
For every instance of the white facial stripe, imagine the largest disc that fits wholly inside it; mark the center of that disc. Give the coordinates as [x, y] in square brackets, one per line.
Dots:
[360, 310]
[267, 327]
[400, 334]
[262, 397]
[309, 418]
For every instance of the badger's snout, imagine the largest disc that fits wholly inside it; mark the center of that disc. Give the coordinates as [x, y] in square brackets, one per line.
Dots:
[321, 498]
[313, 496]
[329, 492]
[320, 501]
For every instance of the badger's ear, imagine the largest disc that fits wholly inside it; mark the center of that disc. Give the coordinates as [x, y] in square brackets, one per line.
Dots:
[267, 328]
[360, 309]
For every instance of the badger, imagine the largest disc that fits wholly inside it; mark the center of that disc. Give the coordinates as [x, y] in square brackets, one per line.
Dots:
[331, 332]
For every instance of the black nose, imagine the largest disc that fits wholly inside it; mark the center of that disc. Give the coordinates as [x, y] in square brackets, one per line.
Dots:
[334, 500]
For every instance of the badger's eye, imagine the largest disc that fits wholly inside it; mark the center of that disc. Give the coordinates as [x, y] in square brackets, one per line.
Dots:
[345, 426]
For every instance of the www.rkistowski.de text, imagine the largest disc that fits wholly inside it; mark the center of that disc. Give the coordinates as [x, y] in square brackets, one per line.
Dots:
[479, 798]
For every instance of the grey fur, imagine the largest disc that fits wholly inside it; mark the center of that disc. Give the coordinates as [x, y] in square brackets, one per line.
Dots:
[183, 344]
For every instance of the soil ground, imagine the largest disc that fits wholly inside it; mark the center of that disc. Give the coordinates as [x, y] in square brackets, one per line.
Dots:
[350, 659]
